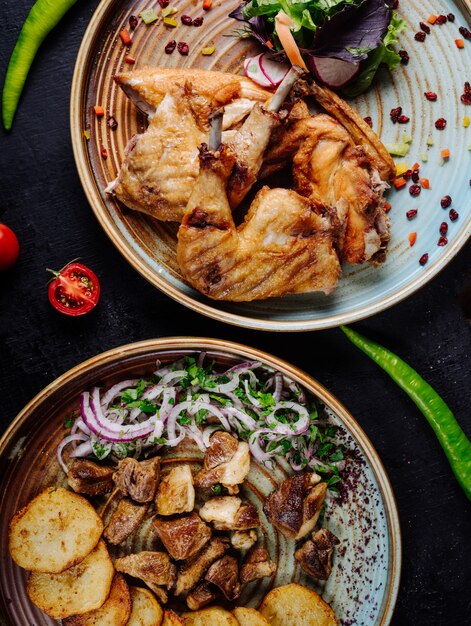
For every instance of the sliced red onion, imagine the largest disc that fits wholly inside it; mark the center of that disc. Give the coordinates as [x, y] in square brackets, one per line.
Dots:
[172, 422]
[294, 428]
[278, 387]
[248, 422]
[208, 431]
[117, 389]
[65, 442]
[255, 448]
[84, 449]
[255, 401]
[174, 376]
[197, 406]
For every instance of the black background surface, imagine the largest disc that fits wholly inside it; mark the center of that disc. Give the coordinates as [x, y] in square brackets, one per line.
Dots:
[42, 200]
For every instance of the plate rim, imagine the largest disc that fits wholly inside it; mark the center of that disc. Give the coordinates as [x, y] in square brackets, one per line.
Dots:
[240, 350]
[89, 185]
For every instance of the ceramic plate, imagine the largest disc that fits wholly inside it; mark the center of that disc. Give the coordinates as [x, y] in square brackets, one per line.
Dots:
[363, 586]
[435, 65]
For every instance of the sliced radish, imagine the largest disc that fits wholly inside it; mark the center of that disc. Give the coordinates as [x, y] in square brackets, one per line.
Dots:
[253, 70]
[273, 70]
[334, 73]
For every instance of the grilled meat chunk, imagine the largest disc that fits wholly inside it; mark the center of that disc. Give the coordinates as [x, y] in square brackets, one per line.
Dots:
[87, 477]
[193, 570]
[126, 518]
[227, 463]
[257, 564]
[138, 479]
[153, 568]
[182, 536]
[315, 556]
[201, 595]
[176, 493]
[222, 447]
[230, 513]
[224, 573]
[243, 539]
[295, 506]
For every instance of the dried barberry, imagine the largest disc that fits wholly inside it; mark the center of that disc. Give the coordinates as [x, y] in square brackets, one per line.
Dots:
[415, 176]
[466, 95]
[403, 119]
[187, 20]
[450, 17]
[441, 19]
[423, 259]
[198, 21]
[430, 95]
[445, 202]
[440, 123]
[170, 47]
[454, 215]
[164, 3]
[442, 241]
[104, 153]
[183, 48]
[415, 190]
[408, 174]
[443, 228]
[112, 122]
[411, 214]
[424, 27]
[395, 114]
[132, 22]
[369, 121]
[465, 32]
[420, 36]
[404, 56]
[395, 4]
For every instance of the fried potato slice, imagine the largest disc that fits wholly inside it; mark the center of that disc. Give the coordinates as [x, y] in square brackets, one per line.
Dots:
[172, 619]
[54, 532]
[249, 617]
[145, 610]
[114, 612]
[214, 616]
[79, 589]
[295, 605]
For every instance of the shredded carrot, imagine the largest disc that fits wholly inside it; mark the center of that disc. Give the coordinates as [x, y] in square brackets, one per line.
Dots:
[432, 19]
[283, 25]
[207, 4]
[412, 238]
[400, 182]
[125, 37]
[445, 153]
[425, 183]
[99, 111]
[387, 207]
[459, 43]
[415, 167]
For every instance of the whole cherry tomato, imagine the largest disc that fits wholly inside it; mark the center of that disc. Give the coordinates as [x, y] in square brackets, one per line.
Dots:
[75, 290]
[9, 248]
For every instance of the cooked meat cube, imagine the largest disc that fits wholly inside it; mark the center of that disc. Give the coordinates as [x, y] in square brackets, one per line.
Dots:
[126, 518]
[243, 539]
[87, 477]
[193, 570]
[138, 479]
[153, 568]
[176, 493]
[224, 573]
[201, 595]
[256, 565]
[229, 513]
[315, 556]
[232, 469]
[183, 536]
[295, 506]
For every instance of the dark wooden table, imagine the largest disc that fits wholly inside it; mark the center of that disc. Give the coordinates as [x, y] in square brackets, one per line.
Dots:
[42, 200]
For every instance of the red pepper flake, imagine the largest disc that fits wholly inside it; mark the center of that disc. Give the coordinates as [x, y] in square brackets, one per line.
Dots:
[430, 95]
[466, 95]
[112, 122]
[411, 214]
[443, 228]
[441, 19]
[445, 202]
[442, 241]
[454, 215]
[415, 190]
[403, 119]
[423, 259]
[198, 21]
[170, 47]
[450, 17]
[132, 22]
[183, 48]
[104, 153]
[412, 238]
[129, 59]
[369, 121]
[424, 27]
[465, 32]
[420, 36]
[125, 37]
[440, 123]
[187, 20]
[395, 114]
[404, 57]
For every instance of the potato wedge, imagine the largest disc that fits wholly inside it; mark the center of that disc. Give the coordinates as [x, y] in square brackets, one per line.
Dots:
[172, 619]
[79, 589]
[114, 612]
[249, 617]
[214, 616]
[145, 610]
[54, 532]
[295, 605]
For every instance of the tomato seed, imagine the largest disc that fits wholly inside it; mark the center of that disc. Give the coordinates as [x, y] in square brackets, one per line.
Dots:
[445, 202]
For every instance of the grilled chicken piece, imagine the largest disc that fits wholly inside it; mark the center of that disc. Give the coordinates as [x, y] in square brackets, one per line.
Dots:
[154, 568]
[224, 573]
[229, 513]
[126, 518]
[201, 595]
[231, 471]
[87, 477]
[138, 479]
[295, 506]
[193, 570]
[183, 536]
[283, 246]
[256, 565]
[243, 539]
[315, 556]
[176, 493]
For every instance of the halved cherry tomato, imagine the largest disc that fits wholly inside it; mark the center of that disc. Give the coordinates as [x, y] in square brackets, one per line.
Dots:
[9, 248]
[75, 290]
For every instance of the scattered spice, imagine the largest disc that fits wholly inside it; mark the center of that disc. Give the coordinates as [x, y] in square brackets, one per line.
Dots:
[466, 95]
[183, 48]
[99, 110]
[465, 32]
[442, 241]
[430, 95]
[423, 259]
[420, 36]
[112, 122]
[129, 59]
[104, 153]
[459, 43]
[412, 238]
[440, 123]
[424, 27]
[443, 228]
[198, 21]
[132, 22]
[415, 190]
[125, 37]
[187, 20]
[170, 47]
[411, 214]
[445, 202]
[453, 215]
[404, 57]
[395, 114]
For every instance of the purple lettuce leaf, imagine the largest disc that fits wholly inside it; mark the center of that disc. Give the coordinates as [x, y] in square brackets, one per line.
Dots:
[260, 27]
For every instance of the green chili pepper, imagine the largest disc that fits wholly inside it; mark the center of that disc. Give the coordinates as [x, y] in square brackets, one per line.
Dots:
[453, 440]
[44, 15]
